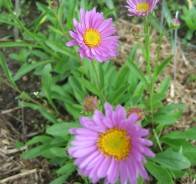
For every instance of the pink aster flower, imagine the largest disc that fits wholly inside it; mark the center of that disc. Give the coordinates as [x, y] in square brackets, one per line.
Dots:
[141, 7]
[95, 36]
[111, 146]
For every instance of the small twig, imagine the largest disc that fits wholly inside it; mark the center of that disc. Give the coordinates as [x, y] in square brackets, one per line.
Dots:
[23, 124]
[191, 45]
[186, 62]
[20, 175]
[10, 110]
[9, 124]
[14, 170]
[32, 134]
[13, 151]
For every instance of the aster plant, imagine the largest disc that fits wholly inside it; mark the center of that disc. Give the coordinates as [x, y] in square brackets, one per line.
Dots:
[105, 123]
[141, 7]
[115, 149]
[95, 36]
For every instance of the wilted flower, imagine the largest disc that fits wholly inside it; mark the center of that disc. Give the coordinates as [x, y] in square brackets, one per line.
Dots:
[95, 36]
[90, 103]
[136, 111]
[141, 7]
[175, 23]
[111, 146]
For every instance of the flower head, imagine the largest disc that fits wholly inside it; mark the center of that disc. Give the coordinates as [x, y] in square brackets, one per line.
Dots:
[95, 36]
[175, 23]
[90, 103]
[141, 7]
[111, 146]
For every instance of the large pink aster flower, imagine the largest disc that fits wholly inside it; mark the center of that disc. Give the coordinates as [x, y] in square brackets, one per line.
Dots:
[111, 146]
[95, 36]
[141, 7]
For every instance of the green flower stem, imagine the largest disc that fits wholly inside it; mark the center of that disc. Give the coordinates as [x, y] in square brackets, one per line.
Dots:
[147, 43]
[98, 82]
[175, 50]
[157, 139]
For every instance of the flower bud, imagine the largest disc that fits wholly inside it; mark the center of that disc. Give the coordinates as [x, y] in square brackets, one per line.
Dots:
[90, 103]
[175, 24]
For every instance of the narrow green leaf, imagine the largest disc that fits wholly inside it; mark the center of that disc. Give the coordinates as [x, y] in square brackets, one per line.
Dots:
[61, 129]
[26, 68]
[61, 49]
[59, 180]
[122, 76]
[34, 152]
[160, 67]
[39, 139]
[48, 115]
[77, 90]
[139, 73]
[6, 70]
[58, 152]
[68, 168]
[9, 44]
[74, 109]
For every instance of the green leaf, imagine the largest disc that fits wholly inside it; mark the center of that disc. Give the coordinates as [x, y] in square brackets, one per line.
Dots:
[39, 139]
[166, 12]
[139, 73]
[164, 86]
[161, 174]
[68, 169]
[122, 76]
[188, 134]
[190, 153]
[26, 68]
[160, 67]
[6, 70]
[90, 86]
[77, 90]
[60, 49]
[172, 160]
[58, 152]
[74, 109]
[34, 152]
[61, 129]
[116, 96]
[45, 112]
[188, 149]
[59, 180]
[47, 83]
[168, 114]
[109, 4]
[17, 43]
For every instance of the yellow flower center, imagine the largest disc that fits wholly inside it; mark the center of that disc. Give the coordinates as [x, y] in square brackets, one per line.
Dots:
[92, 38]
[115, 143]
[142, 7]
